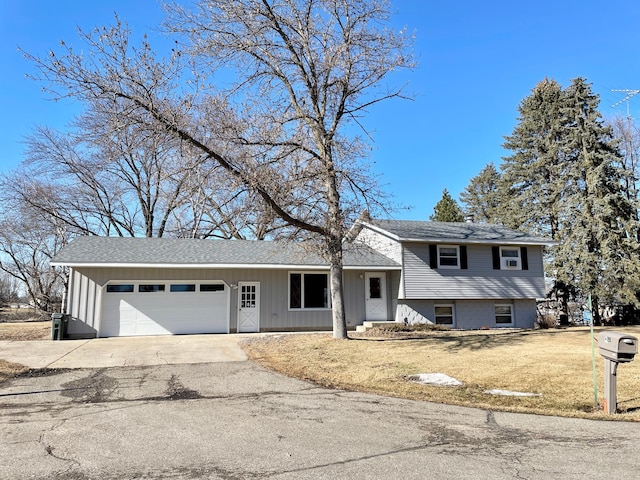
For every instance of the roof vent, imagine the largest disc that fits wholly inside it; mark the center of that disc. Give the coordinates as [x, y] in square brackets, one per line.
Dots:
[468, 219]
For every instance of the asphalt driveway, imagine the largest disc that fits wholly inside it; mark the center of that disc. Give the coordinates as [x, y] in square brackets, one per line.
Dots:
[235, 420]
[124, 351]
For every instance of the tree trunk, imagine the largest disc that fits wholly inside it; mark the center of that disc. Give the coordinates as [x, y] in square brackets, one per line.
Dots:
[337, 288]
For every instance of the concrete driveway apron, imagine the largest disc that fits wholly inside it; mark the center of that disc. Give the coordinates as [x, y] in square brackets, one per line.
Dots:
[124, 351]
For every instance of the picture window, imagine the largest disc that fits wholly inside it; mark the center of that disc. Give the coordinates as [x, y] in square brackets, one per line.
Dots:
[309, 291]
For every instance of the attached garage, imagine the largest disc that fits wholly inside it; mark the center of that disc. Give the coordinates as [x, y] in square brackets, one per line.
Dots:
[164, 308]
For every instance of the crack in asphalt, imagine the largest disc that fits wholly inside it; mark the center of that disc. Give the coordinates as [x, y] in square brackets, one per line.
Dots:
[439, 436]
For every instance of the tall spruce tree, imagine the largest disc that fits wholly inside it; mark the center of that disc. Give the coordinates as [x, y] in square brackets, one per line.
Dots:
[598, 249]
[563, 180]
[480, 197]
[530, 187]
[447, 209]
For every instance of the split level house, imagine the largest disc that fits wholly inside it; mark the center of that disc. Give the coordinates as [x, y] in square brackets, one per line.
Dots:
[464, 275]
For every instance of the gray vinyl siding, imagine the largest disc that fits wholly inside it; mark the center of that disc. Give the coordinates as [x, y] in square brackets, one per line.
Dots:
[478, 281]
[86, 289]
[468, 314]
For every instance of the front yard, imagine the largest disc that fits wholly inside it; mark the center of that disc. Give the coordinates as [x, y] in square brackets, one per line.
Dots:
[555, 364]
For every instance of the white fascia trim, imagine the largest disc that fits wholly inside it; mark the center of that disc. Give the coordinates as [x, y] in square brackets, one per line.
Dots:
[221, 266]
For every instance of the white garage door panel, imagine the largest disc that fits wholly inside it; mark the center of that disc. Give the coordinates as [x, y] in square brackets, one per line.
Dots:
[164, 313]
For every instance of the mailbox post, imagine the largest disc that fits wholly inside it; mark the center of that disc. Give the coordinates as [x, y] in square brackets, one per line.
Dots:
[616, 348]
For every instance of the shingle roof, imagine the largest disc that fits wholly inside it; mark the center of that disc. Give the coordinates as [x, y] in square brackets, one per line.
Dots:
[468, 232]
[118, 251]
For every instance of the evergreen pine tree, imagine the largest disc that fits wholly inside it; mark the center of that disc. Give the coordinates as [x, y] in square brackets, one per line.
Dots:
[563, 180]
[598, 251]
[447, 210]
[480, 197]
[530, 188]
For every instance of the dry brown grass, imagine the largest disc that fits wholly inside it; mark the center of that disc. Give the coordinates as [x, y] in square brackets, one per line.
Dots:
[25, 331]
[9, 370]
[554, 363]
[22, 315]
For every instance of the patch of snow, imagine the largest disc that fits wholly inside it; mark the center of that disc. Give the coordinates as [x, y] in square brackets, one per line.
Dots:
[512, 394]
[435, 379]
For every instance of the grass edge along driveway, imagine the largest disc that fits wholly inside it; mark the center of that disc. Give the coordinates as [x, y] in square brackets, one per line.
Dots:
[555, 364]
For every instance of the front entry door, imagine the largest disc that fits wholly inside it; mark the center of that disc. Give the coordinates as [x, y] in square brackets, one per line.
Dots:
[248, 306]
[375, 296]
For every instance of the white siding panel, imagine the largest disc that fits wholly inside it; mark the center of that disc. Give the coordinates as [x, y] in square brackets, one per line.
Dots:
[388, 247]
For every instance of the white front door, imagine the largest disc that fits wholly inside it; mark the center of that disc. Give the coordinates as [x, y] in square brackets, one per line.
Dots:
[248, 306]
[375, 296]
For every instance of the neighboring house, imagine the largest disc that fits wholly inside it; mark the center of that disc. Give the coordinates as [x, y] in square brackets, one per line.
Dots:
[465, 275]
[462, 275]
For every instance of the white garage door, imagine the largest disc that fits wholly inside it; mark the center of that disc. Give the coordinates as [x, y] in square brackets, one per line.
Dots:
[164, 308]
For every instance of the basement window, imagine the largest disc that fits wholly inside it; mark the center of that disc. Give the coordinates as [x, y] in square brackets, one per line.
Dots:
[504, 314]
[444, 314]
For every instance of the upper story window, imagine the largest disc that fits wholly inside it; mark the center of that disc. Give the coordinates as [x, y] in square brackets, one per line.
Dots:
[308, 291]
[510, 258]
[448, 256]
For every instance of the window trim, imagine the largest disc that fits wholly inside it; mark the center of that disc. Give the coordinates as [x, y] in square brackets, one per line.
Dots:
[302, 307]
[457, 257]
[453, 314]
[512, 314]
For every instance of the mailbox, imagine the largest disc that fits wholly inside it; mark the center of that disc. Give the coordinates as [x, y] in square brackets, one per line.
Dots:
[617, 347]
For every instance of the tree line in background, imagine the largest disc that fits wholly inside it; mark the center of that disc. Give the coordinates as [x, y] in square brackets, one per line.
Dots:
[250, 127]
[572, 177]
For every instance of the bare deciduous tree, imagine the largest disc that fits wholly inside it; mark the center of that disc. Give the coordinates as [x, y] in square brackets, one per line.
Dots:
[286, 129]
[27, 243]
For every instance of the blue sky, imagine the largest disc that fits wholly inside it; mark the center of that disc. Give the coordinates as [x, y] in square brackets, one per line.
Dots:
[477, 60]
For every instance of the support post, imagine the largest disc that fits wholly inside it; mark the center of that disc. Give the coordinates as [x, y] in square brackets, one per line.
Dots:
[610, 386]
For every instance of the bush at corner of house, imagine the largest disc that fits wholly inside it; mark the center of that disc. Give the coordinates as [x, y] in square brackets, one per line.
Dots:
[546, 321]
